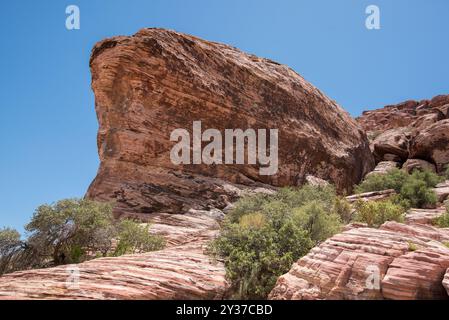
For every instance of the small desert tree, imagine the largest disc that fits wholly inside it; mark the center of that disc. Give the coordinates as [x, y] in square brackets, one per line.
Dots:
[72, 231]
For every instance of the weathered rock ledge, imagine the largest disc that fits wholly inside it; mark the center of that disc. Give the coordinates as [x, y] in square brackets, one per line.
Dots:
[409, 261]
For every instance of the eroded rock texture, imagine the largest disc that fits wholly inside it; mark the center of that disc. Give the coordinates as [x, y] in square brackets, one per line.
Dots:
[414, 132]
[156, 81]
[397, 261]
[180, 271]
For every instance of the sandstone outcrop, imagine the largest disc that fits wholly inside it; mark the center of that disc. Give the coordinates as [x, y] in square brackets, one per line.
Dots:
[424, 216]
[384, 167]
[446, 281]
[182, 270]
[403, 114]
[156, 81]
[397, 261]
[417, 164]
[371, 196]
[432, 144]
[414, 132]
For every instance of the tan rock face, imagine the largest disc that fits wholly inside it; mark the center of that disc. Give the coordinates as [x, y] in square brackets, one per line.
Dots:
[156, 81]
[397, 261]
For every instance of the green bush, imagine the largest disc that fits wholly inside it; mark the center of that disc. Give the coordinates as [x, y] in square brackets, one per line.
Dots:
[446, 173]
[418, 193]
[317, 221]
[375, 213]
[443, 221]
[10, 246]
[414, 189]
[135, 238]
[72, 231]
[344, 209]
[265, 234]
[394, 179]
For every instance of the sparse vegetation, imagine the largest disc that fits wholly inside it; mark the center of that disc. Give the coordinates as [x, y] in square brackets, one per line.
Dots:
[412, 246]
[443, 221]
[72, 231]
[446, 173]
[265, 234]
[375, 213]
[415, 188]
[394, 179]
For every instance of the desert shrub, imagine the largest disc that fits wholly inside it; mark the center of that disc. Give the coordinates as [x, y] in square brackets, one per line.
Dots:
[343, 208]
[394, 179]
[375, 213]
[10, 246]
[75, 230]
[412, 246]
[443, 221]
[418, 193]
[446, 173]
[414, 189]
[317, 221]
[134, 238]
[265, 234]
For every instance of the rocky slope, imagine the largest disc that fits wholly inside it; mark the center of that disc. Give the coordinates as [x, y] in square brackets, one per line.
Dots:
[156, 81]
[412, 133]
[180, 271]
[397, 261]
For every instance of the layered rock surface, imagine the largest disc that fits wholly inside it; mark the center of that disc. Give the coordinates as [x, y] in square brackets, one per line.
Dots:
[180, 271]
[397, 261]
[156, 81]
[414, 132]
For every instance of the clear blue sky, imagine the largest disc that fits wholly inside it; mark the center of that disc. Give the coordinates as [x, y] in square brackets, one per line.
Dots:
[47, 120]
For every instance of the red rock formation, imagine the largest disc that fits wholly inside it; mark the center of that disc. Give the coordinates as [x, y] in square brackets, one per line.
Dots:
[410, 130]
[432, 144]
[408, 261]
[424, 216]
[156, 81]
[180, 271]
[403, 114]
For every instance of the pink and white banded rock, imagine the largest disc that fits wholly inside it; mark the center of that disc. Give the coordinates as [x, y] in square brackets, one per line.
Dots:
[396, 261]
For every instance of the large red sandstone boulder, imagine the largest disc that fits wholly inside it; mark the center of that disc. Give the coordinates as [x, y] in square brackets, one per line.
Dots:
[156, 81]
[397, 261]
[394, 141]
[417, 164]
[414, 132]
[433, 144]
